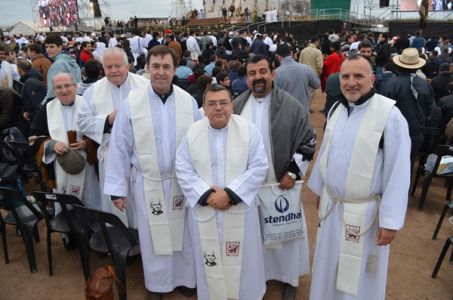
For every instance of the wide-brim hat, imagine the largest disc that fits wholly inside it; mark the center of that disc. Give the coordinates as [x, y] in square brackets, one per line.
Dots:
[409, 59]
[72, 162]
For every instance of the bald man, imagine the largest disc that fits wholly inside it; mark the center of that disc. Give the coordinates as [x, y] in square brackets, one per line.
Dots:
[363, 195]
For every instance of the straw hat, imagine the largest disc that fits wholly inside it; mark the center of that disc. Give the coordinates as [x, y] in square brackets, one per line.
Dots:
[409, 59]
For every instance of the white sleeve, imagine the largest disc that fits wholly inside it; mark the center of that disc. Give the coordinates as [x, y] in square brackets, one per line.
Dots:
[90, 123]
[396, 173]
[120, 151]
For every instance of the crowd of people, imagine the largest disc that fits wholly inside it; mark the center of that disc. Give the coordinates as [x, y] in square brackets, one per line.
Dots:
[200, 141]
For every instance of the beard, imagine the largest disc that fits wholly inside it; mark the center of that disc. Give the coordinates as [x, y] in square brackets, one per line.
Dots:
[259, 89]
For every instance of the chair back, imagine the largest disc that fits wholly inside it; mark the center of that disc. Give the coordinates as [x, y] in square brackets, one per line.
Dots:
[105, 219]
[441, 151]
[431, 138]
[48, 200]
[19, 212]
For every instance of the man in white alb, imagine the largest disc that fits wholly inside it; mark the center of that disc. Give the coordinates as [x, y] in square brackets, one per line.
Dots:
[362, 176]
[98, 112]
[146, 134]
[221, 164]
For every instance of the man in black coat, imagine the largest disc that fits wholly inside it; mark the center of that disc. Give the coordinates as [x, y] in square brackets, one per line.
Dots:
[440, 82]
[413, 95]
[33, 89]
[382, 53]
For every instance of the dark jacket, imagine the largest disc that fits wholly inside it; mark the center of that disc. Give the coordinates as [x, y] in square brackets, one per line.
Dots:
[415, 110]
[446, 105]
[153, 43]
[10, 106]
[382, 54]
[258, 47]
[439, 84]
[33, 91]
[382, 80]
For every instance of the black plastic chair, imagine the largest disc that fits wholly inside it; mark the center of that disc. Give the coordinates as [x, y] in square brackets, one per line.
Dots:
[26, 217]
[121, 242]
[4, 241]
[448, 205]
[431, 138]
[439, 151]
[63, 222]
[448, 243]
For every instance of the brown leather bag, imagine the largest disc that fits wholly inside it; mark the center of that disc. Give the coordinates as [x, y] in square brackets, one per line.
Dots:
[100, 284]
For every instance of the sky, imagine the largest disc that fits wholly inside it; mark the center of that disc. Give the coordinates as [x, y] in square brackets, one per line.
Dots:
[21, 10]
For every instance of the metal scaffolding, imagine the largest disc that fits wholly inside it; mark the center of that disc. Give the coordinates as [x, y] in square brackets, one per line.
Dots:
[180, 8]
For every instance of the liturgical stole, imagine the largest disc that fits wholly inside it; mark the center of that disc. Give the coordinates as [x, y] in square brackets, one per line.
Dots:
[66, 183]
[103, 103]
[166, 229]
[358, 188]
[224, 274]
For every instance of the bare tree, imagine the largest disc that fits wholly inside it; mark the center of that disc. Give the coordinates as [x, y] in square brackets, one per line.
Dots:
[295, 7]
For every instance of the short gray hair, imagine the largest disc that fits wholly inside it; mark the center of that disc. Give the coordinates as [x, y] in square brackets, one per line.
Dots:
[119, 51]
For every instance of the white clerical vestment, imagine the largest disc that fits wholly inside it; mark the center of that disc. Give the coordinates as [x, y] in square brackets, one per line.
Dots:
[93, 113]
[390, 179]
[246, 186]
[162, 273]
[88, 191]
[290, 259]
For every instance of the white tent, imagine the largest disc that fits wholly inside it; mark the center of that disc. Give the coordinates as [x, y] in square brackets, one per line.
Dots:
[22, 28]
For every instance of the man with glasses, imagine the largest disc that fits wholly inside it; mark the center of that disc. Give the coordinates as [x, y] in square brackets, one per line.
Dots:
[97, 114]
[361, 177]
[65, 152]
[221, 164]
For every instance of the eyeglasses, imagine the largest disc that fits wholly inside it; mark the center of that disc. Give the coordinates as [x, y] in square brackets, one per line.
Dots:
[213, 104]
[356, 76]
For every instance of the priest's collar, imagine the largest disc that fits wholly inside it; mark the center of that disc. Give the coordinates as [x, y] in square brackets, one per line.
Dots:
[67, 105]
[266, 98]
[165, 96]
[362, 100]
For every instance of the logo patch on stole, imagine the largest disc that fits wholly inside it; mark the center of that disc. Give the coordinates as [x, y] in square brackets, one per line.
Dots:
[232, 248]
[352, 233]
[178, 202]
[75, 190]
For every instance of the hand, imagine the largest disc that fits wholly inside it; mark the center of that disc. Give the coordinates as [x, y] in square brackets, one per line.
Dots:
[287, 182]
[219, 199]
[111, 117]
[120, 203]
[60, 148]
[5, 81]
[26, 116]
[385, 236]
[80, 145]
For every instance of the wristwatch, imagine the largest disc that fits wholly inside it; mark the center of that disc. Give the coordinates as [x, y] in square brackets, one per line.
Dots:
[292, 175]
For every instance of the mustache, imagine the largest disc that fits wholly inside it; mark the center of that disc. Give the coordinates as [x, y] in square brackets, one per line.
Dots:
[261, 80]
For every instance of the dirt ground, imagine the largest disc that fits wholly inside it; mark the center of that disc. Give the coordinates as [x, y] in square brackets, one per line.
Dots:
[412, 257]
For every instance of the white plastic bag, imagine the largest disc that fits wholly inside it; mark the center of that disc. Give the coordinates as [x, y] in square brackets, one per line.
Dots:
[281, 213]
